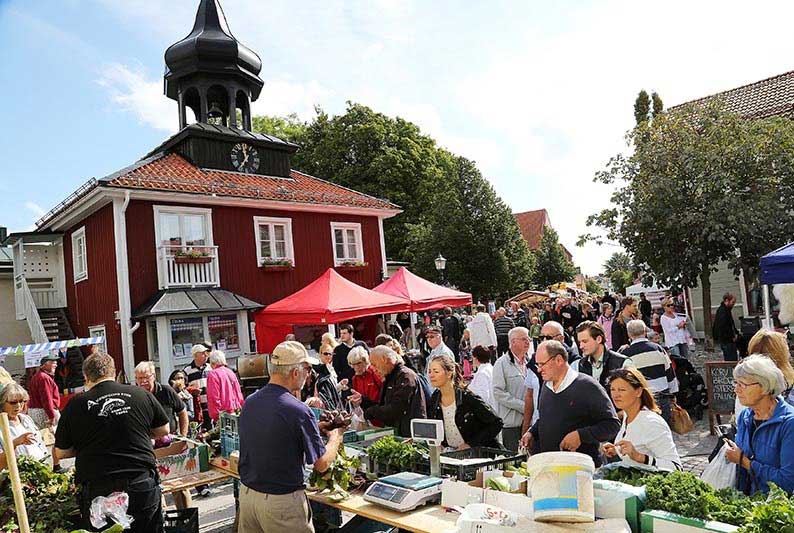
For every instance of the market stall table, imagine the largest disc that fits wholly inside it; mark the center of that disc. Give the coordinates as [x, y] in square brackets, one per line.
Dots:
[180, 486]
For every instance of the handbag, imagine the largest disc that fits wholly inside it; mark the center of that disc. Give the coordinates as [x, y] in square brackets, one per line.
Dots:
[680, 421]
[720, 473]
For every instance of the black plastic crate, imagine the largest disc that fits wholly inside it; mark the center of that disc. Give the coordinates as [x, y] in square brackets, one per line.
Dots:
[181, 520]
[469, 472]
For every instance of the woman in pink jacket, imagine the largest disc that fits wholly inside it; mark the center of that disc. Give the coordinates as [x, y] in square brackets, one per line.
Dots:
[605, 319]
[223, 389]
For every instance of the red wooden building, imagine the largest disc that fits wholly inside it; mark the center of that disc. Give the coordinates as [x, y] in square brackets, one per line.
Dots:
[212, 224]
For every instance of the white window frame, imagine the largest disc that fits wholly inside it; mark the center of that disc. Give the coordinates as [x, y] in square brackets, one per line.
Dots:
[79, 242]
[344, 226]
[99, 331]
[175, 210]
[270, 222]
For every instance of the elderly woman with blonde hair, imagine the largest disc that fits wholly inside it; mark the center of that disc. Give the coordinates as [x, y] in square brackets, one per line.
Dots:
[366, 382]
[24, 432]
[765, 429]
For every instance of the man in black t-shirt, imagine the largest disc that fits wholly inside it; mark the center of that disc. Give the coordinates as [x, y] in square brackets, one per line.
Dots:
[109, 430]
[146, 378]
[348, 342]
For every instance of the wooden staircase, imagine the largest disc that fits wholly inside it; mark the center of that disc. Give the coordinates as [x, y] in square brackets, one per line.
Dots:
[56, 324]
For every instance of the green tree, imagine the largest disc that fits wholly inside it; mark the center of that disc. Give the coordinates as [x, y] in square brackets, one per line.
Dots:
[642, 106]
[619, 269]
[658, 105]
[551, 264]
[592, 286]
[700, 185]
[289, 128]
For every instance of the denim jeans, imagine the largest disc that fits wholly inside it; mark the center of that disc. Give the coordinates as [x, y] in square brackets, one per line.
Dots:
[145, 505]
[665, 405]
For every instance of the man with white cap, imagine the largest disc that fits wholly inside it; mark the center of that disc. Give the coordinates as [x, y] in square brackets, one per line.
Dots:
[278, 436]
[196, 375]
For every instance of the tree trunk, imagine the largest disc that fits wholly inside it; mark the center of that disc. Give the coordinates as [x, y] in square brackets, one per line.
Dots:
[705, 287]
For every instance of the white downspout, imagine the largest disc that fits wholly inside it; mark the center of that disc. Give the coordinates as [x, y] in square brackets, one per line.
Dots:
[123, 282]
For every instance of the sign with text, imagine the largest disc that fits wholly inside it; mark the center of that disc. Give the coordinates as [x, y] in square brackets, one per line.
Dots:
[719, 384]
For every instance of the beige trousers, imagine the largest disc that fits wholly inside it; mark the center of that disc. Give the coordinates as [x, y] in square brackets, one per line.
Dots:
[274, 513]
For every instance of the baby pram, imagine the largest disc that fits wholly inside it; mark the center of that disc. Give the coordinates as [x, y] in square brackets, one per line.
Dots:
[692, 394]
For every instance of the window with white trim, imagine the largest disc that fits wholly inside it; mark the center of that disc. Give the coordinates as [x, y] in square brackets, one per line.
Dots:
[273, 240]
[79, 255]
[99, 331]
[183, 227]
[346, 239]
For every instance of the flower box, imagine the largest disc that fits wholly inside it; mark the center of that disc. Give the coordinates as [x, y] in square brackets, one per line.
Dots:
[351, 266]
[276, 268]
[191, 260]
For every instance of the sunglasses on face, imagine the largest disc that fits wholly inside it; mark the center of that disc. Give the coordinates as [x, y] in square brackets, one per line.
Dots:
[328, 353]
[548, 337]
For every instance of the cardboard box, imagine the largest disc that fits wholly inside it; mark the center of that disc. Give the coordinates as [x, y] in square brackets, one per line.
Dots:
[664, 522]
[619, 500]
[183, 457]
[460, 493]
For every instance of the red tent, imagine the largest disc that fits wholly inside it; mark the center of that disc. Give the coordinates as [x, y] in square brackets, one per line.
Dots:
[327, 300]
[422, 294]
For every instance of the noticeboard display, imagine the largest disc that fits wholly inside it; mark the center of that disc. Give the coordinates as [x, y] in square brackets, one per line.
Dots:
[719, 384]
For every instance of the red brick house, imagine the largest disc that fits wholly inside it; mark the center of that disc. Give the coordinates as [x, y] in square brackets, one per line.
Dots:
[531, 224]
[209, 226]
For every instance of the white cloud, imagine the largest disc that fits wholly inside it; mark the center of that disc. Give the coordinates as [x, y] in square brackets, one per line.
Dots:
[133, 92]
[35, 208]
[281, 97]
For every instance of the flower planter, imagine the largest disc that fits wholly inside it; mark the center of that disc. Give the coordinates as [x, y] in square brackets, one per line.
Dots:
[187, 260]
[276, 268]
[350, 267]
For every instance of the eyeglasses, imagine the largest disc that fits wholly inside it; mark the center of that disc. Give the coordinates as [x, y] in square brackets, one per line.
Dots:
[328, 353]
[740, 385]
[541, 365]
[548, 337]
[15, 402]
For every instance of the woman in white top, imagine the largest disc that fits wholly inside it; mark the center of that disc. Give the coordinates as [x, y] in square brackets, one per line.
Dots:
[468, 420]
[675, 332]
[482, 382]
[26, 437]
[644, 440]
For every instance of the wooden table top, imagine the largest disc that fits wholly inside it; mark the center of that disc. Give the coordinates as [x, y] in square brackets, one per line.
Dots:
[193, 480]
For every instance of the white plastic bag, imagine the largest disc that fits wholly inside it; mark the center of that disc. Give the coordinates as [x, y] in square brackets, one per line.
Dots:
[720, 473]
[113, 506]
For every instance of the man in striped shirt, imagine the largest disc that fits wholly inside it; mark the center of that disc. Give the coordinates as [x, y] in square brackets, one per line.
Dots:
[654, 363]
[502, 325]
[196, 375]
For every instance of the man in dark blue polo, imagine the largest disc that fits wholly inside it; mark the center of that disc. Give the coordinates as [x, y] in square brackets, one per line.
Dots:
[278, 436]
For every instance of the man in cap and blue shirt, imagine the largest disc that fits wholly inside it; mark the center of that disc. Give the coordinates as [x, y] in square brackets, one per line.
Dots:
[278, 436]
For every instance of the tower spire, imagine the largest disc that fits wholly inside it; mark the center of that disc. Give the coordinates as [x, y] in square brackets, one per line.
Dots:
[211, 72]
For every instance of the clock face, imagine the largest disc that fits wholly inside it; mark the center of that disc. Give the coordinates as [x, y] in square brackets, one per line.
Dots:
[244, 158]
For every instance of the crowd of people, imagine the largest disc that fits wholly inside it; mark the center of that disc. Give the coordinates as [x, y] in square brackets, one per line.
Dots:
[593, 377]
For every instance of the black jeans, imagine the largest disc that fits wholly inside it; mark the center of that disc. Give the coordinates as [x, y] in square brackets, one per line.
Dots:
[145, 505]
[729, 352]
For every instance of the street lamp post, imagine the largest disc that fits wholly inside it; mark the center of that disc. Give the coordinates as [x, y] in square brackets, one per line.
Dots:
[441, 265]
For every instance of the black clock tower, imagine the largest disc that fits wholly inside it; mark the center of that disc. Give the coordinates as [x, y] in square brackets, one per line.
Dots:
[216, 77]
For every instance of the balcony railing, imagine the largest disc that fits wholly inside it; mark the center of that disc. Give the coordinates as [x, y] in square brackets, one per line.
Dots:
[47, 298]
[188, 266]
[26, 309]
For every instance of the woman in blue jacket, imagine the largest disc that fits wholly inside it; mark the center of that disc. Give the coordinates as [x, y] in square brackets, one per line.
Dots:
[763, 449]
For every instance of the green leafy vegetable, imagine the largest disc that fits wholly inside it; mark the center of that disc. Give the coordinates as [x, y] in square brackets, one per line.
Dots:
[499, 483]
[773, 513]
[338, 476]
[401, 455]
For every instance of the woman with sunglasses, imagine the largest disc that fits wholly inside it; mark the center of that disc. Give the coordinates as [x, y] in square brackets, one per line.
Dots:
[765, 429]
[644, 440]
[674, 328]
[24, 432]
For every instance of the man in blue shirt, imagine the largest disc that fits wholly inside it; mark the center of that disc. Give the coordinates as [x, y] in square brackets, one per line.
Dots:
[278, 436]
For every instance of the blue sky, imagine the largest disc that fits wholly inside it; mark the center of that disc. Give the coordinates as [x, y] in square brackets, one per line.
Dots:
[538, 93]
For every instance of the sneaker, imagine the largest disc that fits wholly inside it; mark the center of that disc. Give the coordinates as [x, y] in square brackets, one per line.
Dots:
[205, 492]
[58, 469]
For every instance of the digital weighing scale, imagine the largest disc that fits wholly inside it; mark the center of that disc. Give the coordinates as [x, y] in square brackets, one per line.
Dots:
[407, 490]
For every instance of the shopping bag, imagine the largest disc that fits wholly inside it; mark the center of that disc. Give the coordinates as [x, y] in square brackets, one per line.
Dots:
[466, 369]
[720, 473]
[680, 421]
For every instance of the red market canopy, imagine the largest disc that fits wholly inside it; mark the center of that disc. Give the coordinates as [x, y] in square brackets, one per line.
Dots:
[328, 300]
[422, 294]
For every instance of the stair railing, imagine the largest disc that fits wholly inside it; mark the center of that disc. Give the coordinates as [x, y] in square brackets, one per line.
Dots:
[27, 306]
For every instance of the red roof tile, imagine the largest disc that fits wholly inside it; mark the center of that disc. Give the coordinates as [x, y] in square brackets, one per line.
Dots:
[772, 97]
[173, 173]
[531, 224]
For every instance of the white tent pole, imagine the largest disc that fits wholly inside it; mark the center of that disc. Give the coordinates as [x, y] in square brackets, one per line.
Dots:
[332, 329]
[414, 343]
[767, 309]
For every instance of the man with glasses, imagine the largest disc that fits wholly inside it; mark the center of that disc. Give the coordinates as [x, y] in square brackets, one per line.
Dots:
[510, 392]
[278, 436]
[553, 331]
[576, 413]
[172, 404]
[437, 347]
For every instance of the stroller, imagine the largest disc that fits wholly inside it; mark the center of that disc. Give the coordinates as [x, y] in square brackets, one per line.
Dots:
[692, 394]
